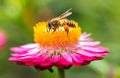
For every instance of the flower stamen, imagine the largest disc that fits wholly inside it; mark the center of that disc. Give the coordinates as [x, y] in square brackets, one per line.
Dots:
[58, 38]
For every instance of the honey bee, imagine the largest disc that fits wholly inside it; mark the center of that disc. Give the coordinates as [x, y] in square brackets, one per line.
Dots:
[61, 21]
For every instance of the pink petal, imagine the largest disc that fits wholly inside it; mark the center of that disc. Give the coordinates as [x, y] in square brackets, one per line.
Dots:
[13, 59]
[67, 57]
[24, 48]
[84, 36]
[42, 52]
[88, 53]
[18, 49]
[29, 63]
[55, 58]
[86, 62]
[77, 59]
[29, 46]
[22, 55]
[87, 58]
[50, 52]
[46, 63]
[63, 62]
[39, 67]
[40, 58]
[94, 48]
[89, 43]
[26, 57]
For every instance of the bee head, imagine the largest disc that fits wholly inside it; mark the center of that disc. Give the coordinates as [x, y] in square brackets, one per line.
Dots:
[54, 22]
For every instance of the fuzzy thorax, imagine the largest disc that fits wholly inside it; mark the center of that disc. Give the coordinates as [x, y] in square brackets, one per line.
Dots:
[59, 38]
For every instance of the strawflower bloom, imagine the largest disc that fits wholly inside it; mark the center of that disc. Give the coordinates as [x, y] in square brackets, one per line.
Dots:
[58, 48]
[3, 39]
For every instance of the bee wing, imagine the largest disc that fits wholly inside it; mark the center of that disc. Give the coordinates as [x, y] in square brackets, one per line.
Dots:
[65, 14]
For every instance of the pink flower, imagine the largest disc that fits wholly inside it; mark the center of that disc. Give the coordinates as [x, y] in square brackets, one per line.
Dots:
[54, 51]
[3, 39]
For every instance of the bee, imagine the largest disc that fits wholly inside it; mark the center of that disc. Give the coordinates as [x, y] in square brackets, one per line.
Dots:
[61, 21]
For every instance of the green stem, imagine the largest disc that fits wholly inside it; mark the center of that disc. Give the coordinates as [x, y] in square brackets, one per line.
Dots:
[61, 73]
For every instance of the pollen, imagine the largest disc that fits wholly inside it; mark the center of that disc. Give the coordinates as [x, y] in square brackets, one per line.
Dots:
[59, 38]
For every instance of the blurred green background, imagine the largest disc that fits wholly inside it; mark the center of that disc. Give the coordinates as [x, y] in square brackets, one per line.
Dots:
[99, 17]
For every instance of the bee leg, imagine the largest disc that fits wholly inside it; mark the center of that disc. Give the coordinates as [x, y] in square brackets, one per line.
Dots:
[67, 31]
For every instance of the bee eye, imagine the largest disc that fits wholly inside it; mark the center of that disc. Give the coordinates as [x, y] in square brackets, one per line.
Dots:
[49, 24]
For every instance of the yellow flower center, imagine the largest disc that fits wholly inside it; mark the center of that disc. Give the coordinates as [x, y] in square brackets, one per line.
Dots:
[58, 38]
